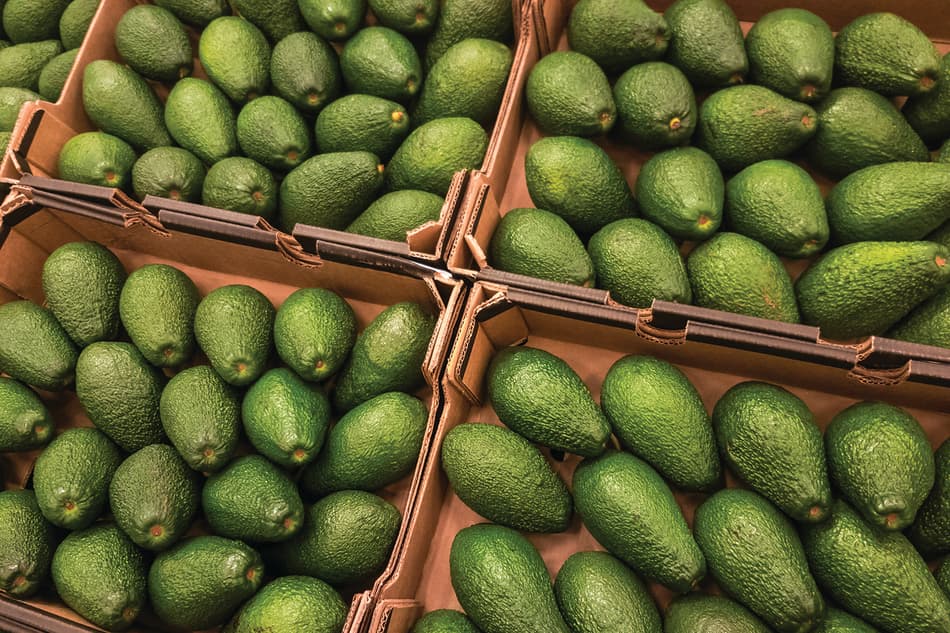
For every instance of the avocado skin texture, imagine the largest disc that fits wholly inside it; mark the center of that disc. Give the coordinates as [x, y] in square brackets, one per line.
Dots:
[154, 488]
[737, 530]
[928, 323]
[347, 537]
[21, 65]
[617, 33]
[929, 114]
[196, 12]
[362, 123]
[387, 356]
[598, 594]
[462, 19]
[792, 51]
[444, 621]
[538, 243]
[305, 70]
[431, 155]
[200, 119]
[234, 327]
[201, 415]
[734, 273]
[742, 125]
[121, 103]
[82, 282]
[236, 56]
[568, 94]
[777, 203]
[26, 544]
[539, 396]
[502, 583]
[505, 478]
[837, 621]
[34, 348]
[329, 190]
[890, 202]
[285, 418]
[943, 576]
[96, 158]
[54, 74]
[157, 306]
[697, 612]
[120, 391]
[682, 191]
[659, 416]
[75, 21]
[770, 439]
[333, 20]
[242, 185]
[201, 582]
[409, 17]
[292, 603]
[894, 278]
[11, 101]
[101, 575]
[396, 213]
[32, 20]
[930, 532]
[314, 331]
[381, 62]
[873, 573]
[154, 43]
[276, 19]
[168, 172]
[272, 132]
[706, 43]
[373, 445]
[885, 53]
[578, 181]
[25, 422]
[655, 105]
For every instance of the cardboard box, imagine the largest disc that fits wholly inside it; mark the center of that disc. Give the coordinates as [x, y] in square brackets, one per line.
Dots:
[213, 252]
[590, 339]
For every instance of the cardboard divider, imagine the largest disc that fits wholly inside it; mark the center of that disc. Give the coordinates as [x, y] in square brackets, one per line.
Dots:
[213, 252]
[713, 357]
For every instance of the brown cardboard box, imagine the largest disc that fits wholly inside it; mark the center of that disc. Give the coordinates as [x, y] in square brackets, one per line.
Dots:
[213, 252]
[590, 339]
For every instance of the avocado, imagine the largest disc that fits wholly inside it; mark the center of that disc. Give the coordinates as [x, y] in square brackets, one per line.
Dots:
[598, 594]
[837, 621]
[734, 273]
[236, 56]
[742, 125]
[11, 102]
[432, 154]
[272, 132]
[792, 51]
[929, 114]
[154, 497]
[409, 17]
[463, 19]
[930, 532]
[706, 43]
[630, 510]
[539, 396]
[35, 348]
[21, 65]
[32, 20]
[387, 356]
[196, 12]
[121, 103]
[578, 181]
[362, 123]
[168, 172]
[777, 203]
[75, 21]
[71, 477]
[314, 331]
[928, 323]
[656, 107]
[329, 190]
[305, 71]
[885, 53]
[154, 43]
[875, 574]
[617, 33]
[879, 459]
[234, 327]
[698, 612]
[381, 62]
[96, 158]
[333, 20]
[347, 537]
[292, 603]
[444, 621]
[285, 418]
[943, 576]
[396, 213]
[568, 94]
[25, 422]
[201, 120]
[54, 74]
[101, 575]
[865, 288]
[502, 583]
[468, 81]
[373, 445]
[202, 581]
[120, 391]
[82, 282]
[242, 185]
[505, 478]
[157, 307]
[277, 19]
[682, 191]
[26, 544]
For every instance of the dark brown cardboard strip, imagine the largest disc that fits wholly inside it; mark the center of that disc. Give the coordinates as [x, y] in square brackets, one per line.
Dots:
[590, 295]
[218, 229]
[157, 204]
[17, 616]
[307, 235]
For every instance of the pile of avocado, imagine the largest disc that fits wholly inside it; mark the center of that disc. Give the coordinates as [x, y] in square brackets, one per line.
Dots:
[160, 501]
[725, 123]
[313, 112]
[813, 533]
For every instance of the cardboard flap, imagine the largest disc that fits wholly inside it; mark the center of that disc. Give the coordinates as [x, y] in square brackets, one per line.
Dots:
[430, 240]
[401, 615]
[218, 229]
[310, 236]
[674, 316]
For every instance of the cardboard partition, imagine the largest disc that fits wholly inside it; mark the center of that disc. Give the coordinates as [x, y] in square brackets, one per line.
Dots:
[590, 339]
[212, 251]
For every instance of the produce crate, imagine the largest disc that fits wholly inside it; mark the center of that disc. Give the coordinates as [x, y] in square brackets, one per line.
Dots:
[213, 252]
[590, 338]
